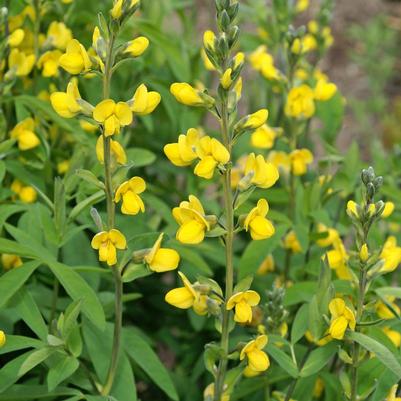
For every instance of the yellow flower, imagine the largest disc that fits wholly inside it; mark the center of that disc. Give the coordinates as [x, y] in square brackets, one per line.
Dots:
[16, 38]
[364, 253]
[2, 338]
[352, 208]
[341, 318]
[49, 63]
[75, 60]
[384, 312]
[23, 132]
[208, 394]
[191, 218]
[144, 102]
[395, 338]
[388, 209]
[266, 266]
[137, 46]
[129, 192]
[107, 242]
[63, 166]
[206, 61]
[20, 63]
[257, 359]
[10, 261]
[66, 103]
[112, 115]
[87, 126]
[186, 94]
[162, 259]
[300, 159]
[208, 39]
[304, 44]
[391, 254]
[300, 102]
[291, 242]
[301, 5]
[337, 259]
[256, 120]
[117, 151]
[280, 160]
[226, 79]
[256, 222]
[332, 236]
[318, 388]
[211, 153]
[392, 395]
[264, 174]
[242, 303]
[187, 297]
[324, 90]
[263, 137]
[183, 153]
[120, 5]
[59, 35]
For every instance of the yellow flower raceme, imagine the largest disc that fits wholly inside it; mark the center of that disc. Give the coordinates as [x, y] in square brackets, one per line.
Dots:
[20, 63]
[391, 254]
[257, 359]
[10, 261]
[187, 297]
[137, 46]
[300, 102]
[342, 317]
[263, 137]
[211, 153]
[15, 38]
[191, 218]
[107, 242]
[59, 35]
[242, 303]
[2, 338]
[112, 115]
[24, 133]
[183, 153]
[186, 94]
[144, 102]
[264, 174]
[66, 104]
[117, 151]
[49, 63]
[75, 60]
[256, 222]
[129, 192]
[162, 259]
[291, 242]
[300, 159]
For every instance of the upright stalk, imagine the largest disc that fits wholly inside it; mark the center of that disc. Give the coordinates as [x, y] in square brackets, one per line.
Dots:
[110, 225]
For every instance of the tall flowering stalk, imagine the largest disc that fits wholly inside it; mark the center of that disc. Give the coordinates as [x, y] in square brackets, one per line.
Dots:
[205, 296]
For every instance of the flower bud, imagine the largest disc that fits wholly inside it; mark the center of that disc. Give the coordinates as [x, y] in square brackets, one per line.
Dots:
[2, 338]
[364, 253]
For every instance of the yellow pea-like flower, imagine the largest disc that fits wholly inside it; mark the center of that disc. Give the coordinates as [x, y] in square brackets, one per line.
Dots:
[208, 39]
[263, 137]
[112, 115]
[20, 63]
[332, 235]
[183, 153]
[264, 174]
[24, 133]
[256, 119]
[10, 261]
[384, 312]
[364, 253]
[392, 395]
[337, 259]
[300, 159]
[190, 216]
[291, 242]
[342, 317]
[186, 94]
[256, 222]
[395, 338]
[208, 393]
[257, 359]
[301, 5]
[16, 37]
[129, 192]
[352, 208]
[63, 166]
[300, 102]
[59, 35]
[137, 46]
[186, 297]
[118, 7]
[211, 153]
[117, 151]
[324, 90]
[391, 254]
[66, 103]
[388, 209]
[26, 194]
[76, 59]
[162, 259]
[49, 63]
[242, 303]
[144, 102]
[226, 79]
[2, 338]
[266, 266]
[88, 127]
[107, 243]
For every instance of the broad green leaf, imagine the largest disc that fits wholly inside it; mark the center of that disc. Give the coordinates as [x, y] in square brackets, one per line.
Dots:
[381, 352]
[16, 343]
[140, 351]
[317, 359]
[61, 371]
[24, 392]
[140, 157]
[34, 359]
[282, 359]
[300, 323]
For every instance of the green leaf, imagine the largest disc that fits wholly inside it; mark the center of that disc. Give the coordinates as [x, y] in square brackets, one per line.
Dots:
[23, 392]
[34, 359]
[300, 324]
[89, 177]
[140, 351]
[61, 371]
[16, 343]
[381, 352]
[140, 157]
[134, 271]
[244, 284]
[282, 359]
[14, 279]
[317, 359]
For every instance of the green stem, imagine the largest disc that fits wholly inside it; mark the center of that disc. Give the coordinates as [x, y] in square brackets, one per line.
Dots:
[229, 239]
